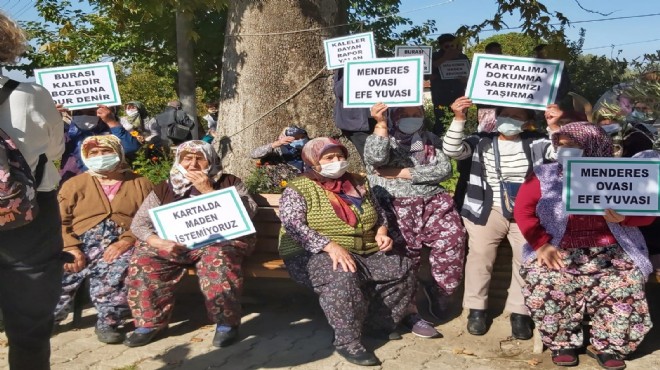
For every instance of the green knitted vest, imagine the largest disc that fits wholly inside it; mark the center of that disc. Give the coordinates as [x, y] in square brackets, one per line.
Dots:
[322, 218]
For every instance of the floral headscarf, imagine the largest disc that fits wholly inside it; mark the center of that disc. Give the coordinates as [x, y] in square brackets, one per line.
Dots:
[106, 141]
[417, 143]
[339, 191]
[595, 142]
[180, 184]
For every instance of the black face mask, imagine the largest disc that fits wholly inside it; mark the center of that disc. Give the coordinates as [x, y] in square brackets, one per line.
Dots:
[214, 116]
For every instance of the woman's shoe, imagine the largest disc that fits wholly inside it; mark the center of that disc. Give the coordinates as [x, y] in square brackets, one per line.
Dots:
[225, 335]
[361, 357]
[143, 336]
[607, 361]
[421, 327]
[521, 326]
[565, 357]
[476, 324]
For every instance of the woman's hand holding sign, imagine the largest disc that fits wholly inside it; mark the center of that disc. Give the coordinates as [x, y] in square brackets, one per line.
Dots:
[169, 246]
[460, 107]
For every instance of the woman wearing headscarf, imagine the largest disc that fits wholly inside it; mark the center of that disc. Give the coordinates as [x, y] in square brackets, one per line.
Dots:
[97, 208]
[158, 265]
[334, 240]
[286, 149]
[405, 166]
[582, 264]
[136, 118]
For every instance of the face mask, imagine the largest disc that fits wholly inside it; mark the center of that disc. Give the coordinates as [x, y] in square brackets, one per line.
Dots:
[639, 116]
[333, 170]
[298, 144]
[132, 112]
[410, 125]
[85, 122]
[611, 128]
[508, 126]
[102, 163]
[563, 153]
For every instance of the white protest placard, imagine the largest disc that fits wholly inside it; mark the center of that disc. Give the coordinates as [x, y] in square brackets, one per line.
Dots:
[204, 219]
[82, 86]
[514, 81]
[394, 81]
[340, 50]
[627, 185]
[453, 69]
[408, 51]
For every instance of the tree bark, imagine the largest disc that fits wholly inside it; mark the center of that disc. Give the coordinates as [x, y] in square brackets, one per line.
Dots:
[185, 63]
[272, 81]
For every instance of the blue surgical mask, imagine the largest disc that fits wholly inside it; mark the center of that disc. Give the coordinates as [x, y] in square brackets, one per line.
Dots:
[564, 153]
[410, 125]
[508, 126]
[102, 163]
[611, 128]
[298, 144]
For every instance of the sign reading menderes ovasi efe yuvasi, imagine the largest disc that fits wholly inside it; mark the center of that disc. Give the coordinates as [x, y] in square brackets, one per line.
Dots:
[203, 220]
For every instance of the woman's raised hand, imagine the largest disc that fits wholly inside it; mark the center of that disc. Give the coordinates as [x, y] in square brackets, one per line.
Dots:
[460, 107]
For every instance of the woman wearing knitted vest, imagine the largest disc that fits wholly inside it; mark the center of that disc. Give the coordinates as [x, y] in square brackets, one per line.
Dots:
[406, 165]
[334, 240]
[581, 264]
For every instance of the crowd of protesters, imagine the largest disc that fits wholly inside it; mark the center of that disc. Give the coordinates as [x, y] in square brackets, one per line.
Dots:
[356, 240]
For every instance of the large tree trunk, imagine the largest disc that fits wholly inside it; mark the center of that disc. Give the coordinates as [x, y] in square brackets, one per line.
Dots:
[185, 61]
[270, 82]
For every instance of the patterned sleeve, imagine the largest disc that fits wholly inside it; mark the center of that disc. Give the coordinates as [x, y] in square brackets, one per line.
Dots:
[453, 143]
[293, 214]
[382, 216]
[377, 150]
[432, 174]
[142, 227]
[262, 151]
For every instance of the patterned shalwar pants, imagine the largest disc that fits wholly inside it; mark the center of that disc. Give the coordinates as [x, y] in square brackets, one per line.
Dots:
[601, 282]
[106, 280]
[432, 222]
[153, 275]
[381, 279]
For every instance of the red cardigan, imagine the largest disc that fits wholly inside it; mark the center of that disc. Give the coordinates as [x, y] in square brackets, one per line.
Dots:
[582, 230]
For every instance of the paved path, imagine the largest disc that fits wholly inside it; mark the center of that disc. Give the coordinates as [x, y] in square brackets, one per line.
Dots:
[285, 329]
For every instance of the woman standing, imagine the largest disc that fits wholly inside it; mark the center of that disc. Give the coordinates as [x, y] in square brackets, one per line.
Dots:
[97, 208]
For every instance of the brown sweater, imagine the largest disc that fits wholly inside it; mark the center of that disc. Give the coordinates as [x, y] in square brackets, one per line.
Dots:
[83, 205]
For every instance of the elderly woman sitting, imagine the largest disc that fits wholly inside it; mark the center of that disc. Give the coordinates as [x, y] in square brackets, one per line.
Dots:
[158, 264]
[97, 208]
[405, 166]
[334, 240]
[582, 264]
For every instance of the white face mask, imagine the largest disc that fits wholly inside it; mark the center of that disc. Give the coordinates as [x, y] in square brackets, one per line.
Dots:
[181, 169]
[508, 126]
[612, 128]
[102, 163]
[333, 170]
[132, 112]
[564, 153]
[85, 122]
[410, 125]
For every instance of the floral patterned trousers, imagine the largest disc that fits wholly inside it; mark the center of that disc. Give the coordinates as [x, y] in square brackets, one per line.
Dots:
[601, 282]
[377, 293]
[432, 222]
[153, 275]
[106, 280]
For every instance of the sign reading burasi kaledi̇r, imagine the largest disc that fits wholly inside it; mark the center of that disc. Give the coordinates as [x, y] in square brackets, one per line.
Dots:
[514, 81]
[202, 220]
[82, 86]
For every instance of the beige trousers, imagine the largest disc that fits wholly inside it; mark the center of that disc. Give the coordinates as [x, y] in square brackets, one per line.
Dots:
[483, 242]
